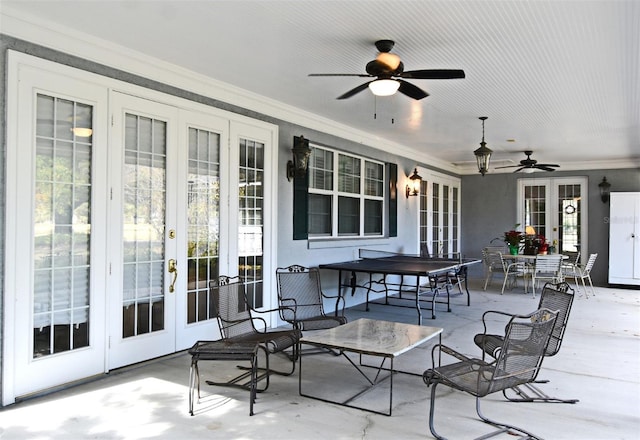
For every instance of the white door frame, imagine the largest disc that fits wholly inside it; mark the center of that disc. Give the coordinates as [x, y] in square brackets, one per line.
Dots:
[551, 214]
[21, 373]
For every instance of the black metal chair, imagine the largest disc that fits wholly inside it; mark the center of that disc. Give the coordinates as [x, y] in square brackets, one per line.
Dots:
[237, 323]
[518, 362]
[302, 300]
[554, 297]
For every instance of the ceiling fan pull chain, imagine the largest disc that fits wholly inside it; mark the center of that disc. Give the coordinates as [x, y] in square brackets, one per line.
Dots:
[375, 107]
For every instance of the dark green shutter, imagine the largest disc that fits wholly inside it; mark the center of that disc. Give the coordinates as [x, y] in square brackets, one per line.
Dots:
[392, 203]
[301, 207]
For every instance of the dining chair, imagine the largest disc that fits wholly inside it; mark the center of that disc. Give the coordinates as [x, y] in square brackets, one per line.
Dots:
[578, 272]
[493, 263]
[546, 268]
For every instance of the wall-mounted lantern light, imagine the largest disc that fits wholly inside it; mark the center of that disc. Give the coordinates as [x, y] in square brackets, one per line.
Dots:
[605, 190]
[483, 154]
[301, 152]
[413, 188]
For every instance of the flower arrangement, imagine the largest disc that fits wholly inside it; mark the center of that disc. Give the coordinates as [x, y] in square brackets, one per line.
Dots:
[513, 237]
[535, 244]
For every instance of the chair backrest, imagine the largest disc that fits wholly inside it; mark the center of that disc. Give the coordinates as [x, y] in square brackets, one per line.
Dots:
[590, 263]
[501, 249]
[558, 297]
[230, 306]
[577, 259]
[299, 291]
[548, 263]
[493, 260]
[523, 349]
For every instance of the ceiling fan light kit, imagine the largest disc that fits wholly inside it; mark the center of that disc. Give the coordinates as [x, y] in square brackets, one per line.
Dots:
[384, 87]
[387, 69]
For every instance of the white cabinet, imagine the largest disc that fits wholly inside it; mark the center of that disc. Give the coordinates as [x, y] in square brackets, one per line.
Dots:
[624, 238]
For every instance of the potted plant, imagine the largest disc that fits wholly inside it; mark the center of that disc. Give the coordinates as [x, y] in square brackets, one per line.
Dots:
[513, 239]
[543, 245]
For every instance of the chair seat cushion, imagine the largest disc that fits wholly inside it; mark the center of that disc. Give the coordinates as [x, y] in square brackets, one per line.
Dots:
[274, 341]
[490, 344]
[321, 322]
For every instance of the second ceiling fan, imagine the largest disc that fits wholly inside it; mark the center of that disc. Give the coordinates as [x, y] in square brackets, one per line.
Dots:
[531, 164]
[388, 71]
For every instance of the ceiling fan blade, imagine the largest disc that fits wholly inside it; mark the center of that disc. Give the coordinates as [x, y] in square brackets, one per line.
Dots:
[508, 166]
[433, 74]
[544, 168]
[352, 92]
[361, 75]
[548, 165]
[411, 91]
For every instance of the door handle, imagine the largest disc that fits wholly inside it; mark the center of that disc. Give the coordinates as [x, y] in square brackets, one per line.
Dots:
[173, 268]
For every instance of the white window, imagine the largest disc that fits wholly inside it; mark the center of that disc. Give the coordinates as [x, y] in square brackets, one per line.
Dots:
[346, 195]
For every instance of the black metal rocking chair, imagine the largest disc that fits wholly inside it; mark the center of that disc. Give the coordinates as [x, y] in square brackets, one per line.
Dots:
[237, 323]
[554, 297]
[518, 362]
[302, 300]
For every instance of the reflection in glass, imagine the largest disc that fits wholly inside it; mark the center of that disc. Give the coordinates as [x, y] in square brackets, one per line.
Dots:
[143, 225]
[203, 221]
[62, 226]
[250, 218]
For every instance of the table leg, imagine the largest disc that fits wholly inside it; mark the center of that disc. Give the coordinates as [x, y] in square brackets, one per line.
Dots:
[418, 301]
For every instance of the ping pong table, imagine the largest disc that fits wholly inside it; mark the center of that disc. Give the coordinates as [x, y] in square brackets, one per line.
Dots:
[438, 271]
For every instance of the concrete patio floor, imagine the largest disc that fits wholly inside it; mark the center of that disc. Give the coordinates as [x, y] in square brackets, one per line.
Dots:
[599, 364]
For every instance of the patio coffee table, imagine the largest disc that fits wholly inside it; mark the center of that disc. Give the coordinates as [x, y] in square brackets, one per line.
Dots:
[382, 339]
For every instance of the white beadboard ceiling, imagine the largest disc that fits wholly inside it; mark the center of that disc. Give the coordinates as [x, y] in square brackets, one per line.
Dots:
[560, 78]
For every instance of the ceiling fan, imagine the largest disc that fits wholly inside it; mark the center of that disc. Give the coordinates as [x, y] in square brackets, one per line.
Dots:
[531, 164]
[388, 71]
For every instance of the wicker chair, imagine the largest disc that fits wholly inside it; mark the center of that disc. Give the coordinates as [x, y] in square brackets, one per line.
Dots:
[237, 323]
[302, 300]
[518, 362]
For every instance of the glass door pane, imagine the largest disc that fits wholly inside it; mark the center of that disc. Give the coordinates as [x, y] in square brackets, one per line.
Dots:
[62, 226]
[251, 218]
[435, 219]
[203, 221]
[535, 209]
[569, 219]
[144, 190]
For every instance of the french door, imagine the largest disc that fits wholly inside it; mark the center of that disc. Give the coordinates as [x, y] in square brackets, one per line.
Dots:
[118, 221]
[556, 208]
[55, 232]
[439, 214]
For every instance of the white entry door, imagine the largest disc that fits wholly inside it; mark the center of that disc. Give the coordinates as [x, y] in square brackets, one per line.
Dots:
[143, 213]
[167, 217]
[556, 208]
[56, 271]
